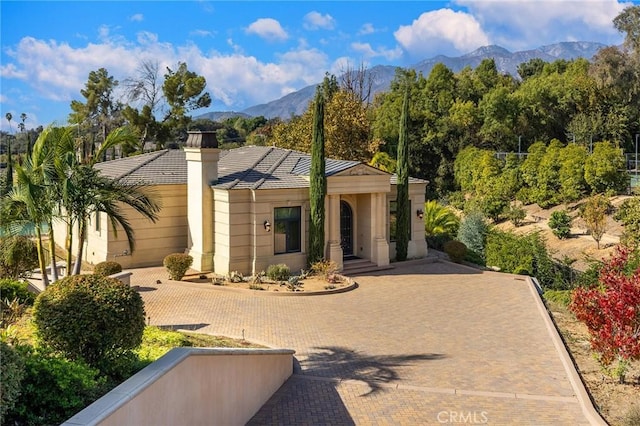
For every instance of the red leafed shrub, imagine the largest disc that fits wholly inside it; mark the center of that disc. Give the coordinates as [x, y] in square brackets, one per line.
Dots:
[611, 310]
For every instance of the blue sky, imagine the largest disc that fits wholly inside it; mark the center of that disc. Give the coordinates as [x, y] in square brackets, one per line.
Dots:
[253, 52]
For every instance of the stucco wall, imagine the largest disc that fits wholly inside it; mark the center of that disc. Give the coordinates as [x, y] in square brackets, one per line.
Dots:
[194, 386]
[153, 240]
[241, 241]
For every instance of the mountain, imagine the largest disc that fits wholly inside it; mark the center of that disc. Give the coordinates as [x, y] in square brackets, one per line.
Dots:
[507, 62]
[222, 115]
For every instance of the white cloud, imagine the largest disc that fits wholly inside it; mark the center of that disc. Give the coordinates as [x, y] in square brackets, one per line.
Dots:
[525, 24]
[146, 37]
[315, 20]
[367, 28]
[367, 51]
[201, 33]
[58, 71]
[441, 30]
[138, 17]
[267, 28]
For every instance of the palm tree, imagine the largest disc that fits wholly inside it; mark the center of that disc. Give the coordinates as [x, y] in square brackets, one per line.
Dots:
[9, 177]
[54, 183]
[102, 194]
[439, 219]
[84, 192]
[32, 197]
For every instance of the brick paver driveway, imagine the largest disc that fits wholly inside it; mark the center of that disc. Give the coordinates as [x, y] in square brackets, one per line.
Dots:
[424, 343]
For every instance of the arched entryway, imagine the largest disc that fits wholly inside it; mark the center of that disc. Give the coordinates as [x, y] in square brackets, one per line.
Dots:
[346, 229]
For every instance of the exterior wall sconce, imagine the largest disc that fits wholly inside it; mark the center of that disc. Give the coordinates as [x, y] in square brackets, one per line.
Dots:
[267, 226]
[420, 213]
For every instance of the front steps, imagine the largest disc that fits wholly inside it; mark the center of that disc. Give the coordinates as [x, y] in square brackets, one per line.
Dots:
[361, 266]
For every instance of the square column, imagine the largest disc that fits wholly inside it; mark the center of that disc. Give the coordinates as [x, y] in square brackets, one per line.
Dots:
[334, 249]
[380, 246]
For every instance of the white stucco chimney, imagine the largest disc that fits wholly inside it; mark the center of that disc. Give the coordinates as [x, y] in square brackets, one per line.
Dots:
[202, 156]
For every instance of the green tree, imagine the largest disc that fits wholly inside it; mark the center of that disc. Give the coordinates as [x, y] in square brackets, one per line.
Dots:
[183, 91]
[100, 110]
[403, 227]
[605, 169]
[317, 183]
[628, 22]
[571, 174]
[560, 224]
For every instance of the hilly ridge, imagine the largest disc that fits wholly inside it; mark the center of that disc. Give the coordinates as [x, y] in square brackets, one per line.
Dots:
[507, 62]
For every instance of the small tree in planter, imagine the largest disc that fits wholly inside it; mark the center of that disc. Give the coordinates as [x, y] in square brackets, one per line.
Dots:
[177, 265]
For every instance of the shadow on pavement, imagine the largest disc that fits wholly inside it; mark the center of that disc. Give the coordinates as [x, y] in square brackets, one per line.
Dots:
[304, 402]
[345, 364]
[311, 395]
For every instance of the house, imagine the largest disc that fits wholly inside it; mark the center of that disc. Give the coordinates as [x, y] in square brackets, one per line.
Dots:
[247, 208]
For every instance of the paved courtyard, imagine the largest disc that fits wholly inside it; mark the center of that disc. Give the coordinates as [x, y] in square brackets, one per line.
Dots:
[424, 343]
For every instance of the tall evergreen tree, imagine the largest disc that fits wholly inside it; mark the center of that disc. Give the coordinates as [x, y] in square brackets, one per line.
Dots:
[403, 215]
[318, 182]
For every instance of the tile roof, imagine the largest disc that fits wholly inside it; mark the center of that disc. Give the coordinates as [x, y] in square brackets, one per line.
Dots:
[249, 167]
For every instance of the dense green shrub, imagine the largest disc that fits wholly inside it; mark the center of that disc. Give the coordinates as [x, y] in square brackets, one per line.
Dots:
[475, 258]
[107, 268]
[473, 232]
[437, 242]
[523, 254]
[279, 272]
[11, 374]
[629, 214]
[456, 250]
[90, 317]
[177, 265]
[560, 224]
[14, 289]
[18, 256]
[53, 389]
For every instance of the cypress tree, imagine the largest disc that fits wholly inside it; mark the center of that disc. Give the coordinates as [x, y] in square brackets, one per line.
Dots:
[403, 224]
[318, 183]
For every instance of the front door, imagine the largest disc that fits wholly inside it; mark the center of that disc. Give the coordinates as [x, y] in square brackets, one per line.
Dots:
[346, 228]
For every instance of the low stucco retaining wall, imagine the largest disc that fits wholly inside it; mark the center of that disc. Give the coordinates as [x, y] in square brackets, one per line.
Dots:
[194, 386]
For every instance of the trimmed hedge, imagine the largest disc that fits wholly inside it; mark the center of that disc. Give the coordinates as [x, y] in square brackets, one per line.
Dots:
[177, 265]
[107, 268]
[97, 319]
